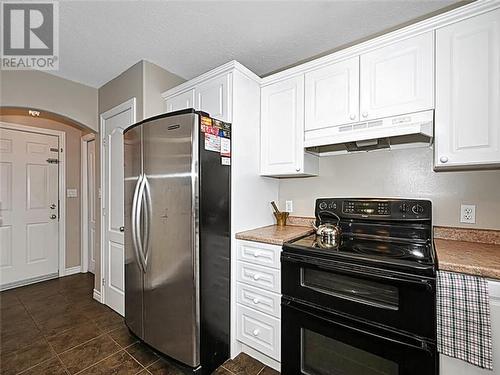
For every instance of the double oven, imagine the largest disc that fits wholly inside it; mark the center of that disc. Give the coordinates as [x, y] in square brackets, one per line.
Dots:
[367, 307]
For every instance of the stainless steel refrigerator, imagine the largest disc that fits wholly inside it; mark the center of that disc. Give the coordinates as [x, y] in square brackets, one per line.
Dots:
[177, 236]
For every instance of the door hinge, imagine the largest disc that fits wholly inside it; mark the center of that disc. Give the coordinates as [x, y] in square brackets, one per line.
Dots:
[103, 282]
[104, 141]
[52, 161]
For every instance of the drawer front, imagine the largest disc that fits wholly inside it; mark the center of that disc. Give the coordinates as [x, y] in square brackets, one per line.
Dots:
[259, 253]
[259, 331]
[259, 299]
[261, 277]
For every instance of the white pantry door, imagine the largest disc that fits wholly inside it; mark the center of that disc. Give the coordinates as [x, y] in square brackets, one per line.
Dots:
[29, 219]
[113, 123]
[91, 194]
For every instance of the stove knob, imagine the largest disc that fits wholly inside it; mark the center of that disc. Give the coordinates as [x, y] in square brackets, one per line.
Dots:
[332, 206]
[404, 208]
[417, 209]
[323, 206]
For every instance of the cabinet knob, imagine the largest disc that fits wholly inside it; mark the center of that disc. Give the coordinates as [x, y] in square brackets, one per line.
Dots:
[364, 114]
[256, 277]
[443, 159]
[122, 229]
[256, 332]
[297, 169]
[53, 217]
[256, 300]
[352, 116]
[52, 206]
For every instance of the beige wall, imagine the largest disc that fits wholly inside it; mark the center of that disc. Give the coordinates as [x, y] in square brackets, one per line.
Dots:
[145, 81]
[156, 81]
[43, 91]
[72, 168]
[399, 173]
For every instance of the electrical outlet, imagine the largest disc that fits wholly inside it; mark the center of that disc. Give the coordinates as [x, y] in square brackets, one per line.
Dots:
[468, 213]
[289, 206]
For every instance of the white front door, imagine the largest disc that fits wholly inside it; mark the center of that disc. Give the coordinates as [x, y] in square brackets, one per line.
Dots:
[91, 204]
[113, 123]
[29, 204]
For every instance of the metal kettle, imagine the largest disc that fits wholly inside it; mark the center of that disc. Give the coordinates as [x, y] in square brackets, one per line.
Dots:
[328, 235]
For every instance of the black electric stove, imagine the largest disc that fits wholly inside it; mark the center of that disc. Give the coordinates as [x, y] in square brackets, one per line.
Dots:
[369, 303]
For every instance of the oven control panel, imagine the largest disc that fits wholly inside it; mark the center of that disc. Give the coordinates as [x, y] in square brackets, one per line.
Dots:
[377, 209]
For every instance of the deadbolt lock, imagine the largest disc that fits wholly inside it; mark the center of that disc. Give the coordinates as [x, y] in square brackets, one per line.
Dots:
[53, 206]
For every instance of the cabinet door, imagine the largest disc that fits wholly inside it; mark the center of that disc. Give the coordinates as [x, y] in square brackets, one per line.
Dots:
[398, 78]
[467, 114]
[282, 127]
[332, 95]
[180, 101]
[212, 97]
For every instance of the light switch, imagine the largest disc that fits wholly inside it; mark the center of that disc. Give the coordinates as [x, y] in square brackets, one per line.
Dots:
[71, 193]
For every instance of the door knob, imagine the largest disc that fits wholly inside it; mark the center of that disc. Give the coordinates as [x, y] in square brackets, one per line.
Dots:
[122, 229]
[53, 216]
[53, 206]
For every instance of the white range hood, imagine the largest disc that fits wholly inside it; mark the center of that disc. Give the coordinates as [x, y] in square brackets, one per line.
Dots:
[414, 129]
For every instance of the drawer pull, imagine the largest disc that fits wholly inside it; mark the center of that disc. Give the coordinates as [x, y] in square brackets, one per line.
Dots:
[256, 300]
[256, 254]
[256, 277]
[256, 332]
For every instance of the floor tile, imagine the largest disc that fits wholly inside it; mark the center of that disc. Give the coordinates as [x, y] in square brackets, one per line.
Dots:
[243, 364]
[58, 324]
[123, 336]
[120, 363]
[222, 371]
[13, 340]
[20, 360]
[74, 336]
[109, 321]
[88, 354]
[51, 367]
[8, 298]
[161, 367]
[142, 354]
[269, 371]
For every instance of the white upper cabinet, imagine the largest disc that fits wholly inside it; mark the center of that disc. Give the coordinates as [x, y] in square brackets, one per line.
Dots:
[180, 101]
[282, 130]
[398, 78]
[212, 97]
[467, 117]
[332, 95]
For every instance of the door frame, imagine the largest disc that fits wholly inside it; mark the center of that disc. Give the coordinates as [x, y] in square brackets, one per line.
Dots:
[129, 104]
[62, 191]
[84, 201]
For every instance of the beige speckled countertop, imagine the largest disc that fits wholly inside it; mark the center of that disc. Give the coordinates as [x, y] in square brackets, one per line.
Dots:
[473, 258]
[274, 234]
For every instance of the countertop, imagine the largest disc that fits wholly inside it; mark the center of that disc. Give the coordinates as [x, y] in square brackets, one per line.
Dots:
[275, 235]
[473, 258]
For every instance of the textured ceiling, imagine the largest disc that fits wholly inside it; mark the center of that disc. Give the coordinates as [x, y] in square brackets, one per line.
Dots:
[100, 39]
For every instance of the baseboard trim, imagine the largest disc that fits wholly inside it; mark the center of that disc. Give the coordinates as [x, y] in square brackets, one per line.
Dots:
[97, 295]
[268, 361]
[72, 270]
[17, 284]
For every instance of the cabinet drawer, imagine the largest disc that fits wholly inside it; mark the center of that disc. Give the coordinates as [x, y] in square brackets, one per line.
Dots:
[262, 277]
[259, 253]
[259, 299]
[259, 331]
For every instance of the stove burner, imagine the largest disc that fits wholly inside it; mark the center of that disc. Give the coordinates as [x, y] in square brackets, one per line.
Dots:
[381, 250]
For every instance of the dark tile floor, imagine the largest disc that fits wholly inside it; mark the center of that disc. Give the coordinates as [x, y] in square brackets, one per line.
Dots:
[55, 327]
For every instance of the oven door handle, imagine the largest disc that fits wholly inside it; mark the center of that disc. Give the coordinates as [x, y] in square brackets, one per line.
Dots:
[423, 345]
[350, 271]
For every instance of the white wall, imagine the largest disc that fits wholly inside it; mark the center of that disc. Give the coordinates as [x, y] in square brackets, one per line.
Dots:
[399, 173]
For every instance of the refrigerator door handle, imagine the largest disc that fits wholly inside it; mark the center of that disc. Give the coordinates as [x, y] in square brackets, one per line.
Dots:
[135, 228]
[137, 220]
[147, 222]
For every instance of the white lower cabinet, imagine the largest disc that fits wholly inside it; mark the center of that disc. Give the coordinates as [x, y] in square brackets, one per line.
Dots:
[452, 366]
[258, 297]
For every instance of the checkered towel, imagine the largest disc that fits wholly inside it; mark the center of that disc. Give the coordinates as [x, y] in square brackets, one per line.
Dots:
[463, 318]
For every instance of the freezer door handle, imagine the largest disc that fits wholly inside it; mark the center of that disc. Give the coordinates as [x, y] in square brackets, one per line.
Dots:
[147, 222]
[135, 221]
